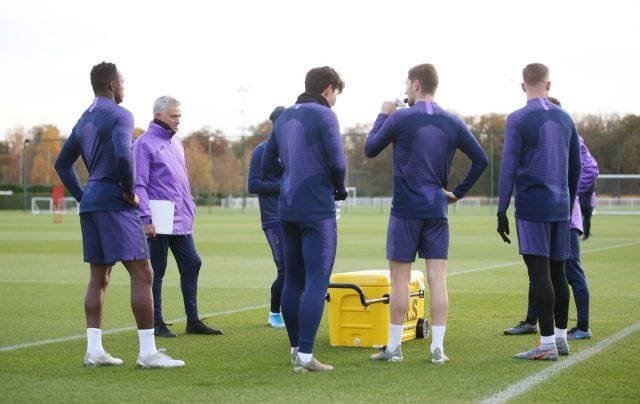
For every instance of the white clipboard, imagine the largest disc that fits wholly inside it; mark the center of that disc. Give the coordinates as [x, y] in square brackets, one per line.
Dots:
[162, 215]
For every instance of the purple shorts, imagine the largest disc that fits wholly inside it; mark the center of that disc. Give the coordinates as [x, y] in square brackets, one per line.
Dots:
[544, 239]
[109, 237]
[428, 237]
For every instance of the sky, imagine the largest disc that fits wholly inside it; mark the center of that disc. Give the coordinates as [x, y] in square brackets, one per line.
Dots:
[231, 62]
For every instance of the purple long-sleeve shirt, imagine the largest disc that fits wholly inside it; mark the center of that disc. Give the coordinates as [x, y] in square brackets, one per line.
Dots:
[102, 137]
[306, 138]
[541, 158]
[588, 175]
[425, 138]
[161, 173]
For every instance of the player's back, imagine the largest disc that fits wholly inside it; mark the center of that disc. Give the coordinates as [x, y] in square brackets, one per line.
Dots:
[309, 144]
[425, 138]
[101, 135]
[543, 132]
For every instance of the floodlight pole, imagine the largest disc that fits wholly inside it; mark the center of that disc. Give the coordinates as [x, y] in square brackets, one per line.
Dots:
[25, 180]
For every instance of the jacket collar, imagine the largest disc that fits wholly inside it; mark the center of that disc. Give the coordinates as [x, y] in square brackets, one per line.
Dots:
[308, 97]
[161, 129]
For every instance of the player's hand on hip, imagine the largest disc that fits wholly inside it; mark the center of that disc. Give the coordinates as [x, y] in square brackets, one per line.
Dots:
[132, 199]
[503, 226]
[150, 230]
[388, 107]
[451, 197]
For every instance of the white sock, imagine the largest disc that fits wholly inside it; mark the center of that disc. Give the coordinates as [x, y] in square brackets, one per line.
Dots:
[560, 333]
[395, 336]
[94, 342]
[293, 349]
[147, 342]
[549, 339]
[274, 314]
[437, 337]
[305, 357]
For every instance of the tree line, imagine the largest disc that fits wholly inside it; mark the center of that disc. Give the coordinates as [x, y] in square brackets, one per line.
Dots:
[218, 166]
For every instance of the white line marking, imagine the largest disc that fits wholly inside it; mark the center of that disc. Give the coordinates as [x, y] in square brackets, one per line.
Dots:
[468, 271]
[508, 264]
[540, 377]
[611, 247]
[116, 330]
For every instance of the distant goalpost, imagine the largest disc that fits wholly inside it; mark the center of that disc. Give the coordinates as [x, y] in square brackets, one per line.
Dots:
[44, 205]
[617, 194]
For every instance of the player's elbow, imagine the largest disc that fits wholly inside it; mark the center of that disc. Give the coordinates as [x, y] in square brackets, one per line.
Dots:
[61, 167]
[57, 166]
[253, 187]
[483, 161]
[369, 151]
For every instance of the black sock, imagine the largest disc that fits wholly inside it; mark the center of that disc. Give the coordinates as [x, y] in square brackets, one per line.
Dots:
[561, 291]
[531, 320]
[544, 297]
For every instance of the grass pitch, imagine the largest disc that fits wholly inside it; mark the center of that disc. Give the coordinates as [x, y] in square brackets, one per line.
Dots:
[42, 282]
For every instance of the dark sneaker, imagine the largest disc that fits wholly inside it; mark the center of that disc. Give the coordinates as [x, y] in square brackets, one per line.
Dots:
[543, 352]
[576, 333]
[200, 327]
[161, 330]
[521, 328]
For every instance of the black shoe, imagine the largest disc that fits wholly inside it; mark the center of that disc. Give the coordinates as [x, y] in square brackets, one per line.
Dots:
[161, 330]
[200, 327]
[521, 328]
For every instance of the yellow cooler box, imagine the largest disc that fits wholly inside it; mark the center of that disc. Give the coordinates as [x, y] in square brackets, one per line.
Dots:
[359, 308]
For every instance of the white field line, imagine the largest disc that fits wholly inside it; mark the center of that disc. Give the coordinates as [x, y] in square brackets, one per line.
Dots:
[508, 264]
[241, 309]
[528, 383]
[117, 330]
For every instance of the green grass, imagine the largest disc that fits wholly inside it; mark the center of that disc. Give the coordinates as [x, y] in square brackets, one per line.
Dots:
[42, 282]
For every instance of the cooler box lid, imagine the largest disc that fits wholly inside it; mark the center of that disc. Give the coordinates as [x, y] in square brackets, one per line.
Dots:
[373, 277]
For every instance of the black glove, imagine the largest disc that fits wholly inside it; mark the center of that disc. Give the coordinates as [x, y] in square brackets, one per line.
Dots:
[503, 226]
[340, 194]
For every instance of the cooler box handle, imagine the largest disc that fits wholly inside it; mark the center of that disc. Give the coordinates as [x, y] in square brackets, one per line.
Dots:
[363, 300]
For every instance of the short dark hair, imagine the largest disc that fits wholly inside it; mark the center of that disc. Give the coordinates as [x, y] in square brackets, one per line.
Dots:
[320, 77]
[535, 73]
[427, 76]
[101, 75]
[554, 100]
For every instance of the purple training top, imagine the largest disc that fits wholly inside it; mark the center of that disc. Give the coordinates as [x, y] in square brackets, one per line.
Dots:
[307, 144]
[588, 176]
[102, 137]
[425, 138]
[161, 173]
[541, 158]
